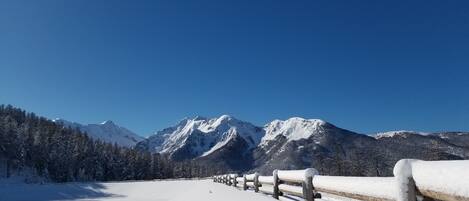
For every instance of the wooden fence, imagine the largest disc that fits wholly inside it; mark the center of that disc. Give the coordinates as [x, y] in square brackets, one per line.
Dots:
[413, 180]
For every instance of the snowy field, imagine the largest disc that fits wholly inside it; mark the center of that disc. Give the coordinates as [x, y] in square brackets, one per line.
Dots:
[179, 190]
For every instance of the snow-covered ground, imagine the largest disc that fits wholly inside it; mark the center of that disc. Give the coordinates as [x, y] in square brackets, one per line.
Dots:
[177, 190]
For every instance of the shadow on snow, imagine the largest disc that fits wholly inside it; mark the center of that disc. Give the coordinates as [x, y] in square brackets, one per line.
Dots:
[50, 192]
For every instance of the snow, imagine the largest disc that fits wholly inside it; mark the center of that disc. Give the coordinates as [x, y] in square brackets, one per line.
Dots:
[250, 177]
[449, 177]
[380, 187]
[106, 131]
[296, 175]
[251, 184]
[204, 135]
[230, 134]
[296, 190]
[403, 173]
[293, 129]
[397, 133]
[266, 179]
[177, 190]
[267, 188]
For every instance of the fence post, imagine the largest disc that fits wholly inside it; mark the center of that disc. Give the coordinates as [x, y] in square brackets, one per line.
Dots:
[256, 182]
[276, 191]
[405, 183]
[245, 186]
[235, 181]
[307, 184]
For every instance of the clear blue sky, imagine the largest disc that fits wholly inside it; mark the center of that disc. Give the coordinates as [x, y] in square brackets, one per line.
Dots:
[366, 66]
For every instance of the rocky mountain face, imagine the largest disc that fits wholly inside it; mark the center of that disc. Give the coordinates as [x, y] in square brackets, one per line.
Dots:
[335, 151]
[222, 139]
[106, 131]
[298, 143]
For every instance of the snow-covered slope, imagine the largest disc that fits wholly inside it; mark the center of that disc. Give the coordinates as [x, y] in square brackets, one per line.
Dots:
[295, 128]
[106, 131]
[200, 136]
[298, 143]
[401, 133]
[176, 190]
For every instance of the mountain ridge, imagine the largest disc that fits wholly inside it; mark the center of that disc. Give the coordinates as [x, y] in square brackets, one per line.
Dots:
[297, 143]
[106, 131]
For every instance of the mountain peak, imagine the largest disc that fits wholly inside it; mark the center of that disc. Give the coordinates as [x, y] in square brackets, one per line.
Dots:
[203, 136]
[294, 128]
[199, 118]
[106, 131]
[300, 119]
[397, 133]
[107, 122]
[225, 116]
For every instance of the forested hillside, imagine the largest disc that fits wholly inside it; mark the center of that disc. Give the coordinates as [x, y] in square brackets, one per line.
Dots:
[32, 143]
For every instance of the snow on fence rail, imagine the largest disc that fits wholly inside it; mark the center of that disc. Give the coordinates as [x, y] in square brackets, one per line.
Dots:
[266, 184]
[413, 180]
[361, 188]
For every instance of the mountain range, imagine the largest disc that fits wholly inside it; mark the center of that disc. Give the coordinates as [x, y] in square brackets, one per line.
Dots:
[231, 144]
[298, 143]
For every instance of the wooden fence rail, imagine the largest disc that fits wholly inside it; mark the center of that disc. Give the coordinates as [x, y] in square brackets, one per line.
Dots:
[413, 180]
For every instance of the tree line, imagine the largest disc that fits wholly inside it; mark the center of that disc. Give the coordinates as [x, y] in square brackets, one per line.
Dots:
[61, 154]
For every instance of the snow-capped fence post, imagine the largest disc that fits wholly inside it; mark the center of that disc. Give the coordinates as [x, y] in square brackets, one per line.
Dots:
[301, 177]
[404, 182]
[239, 181]
[233, 179]
[256, 182]
[308, 187]
[441, 180]
[276, 192]
[227, 180]
[251, 181]
[245, 186]
[235, 182]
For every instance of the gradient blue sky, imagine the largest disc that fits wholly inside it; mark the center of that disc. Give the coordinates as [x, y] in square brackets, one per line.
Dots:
[367, 66]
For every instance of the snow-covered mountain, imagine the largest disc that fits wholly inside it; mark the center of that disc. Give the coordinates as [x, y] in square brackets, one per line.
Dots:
[401, 133]
[201, 137]
[292, 129]
[297, 143]
[106, 131]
